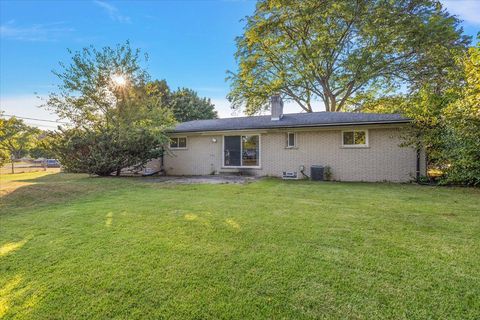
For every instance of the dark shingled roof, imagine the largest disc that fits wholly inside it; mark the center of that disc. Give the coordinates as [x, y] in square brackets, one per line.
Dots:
[292, 120]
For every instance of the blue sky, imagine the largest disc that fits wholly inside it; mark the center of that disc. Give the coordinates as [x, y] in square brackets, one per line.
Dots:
[190, 43]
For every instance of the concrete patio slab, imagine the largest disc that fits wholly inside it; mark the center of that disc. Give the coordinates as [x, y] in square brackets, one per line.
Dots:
[213, 179]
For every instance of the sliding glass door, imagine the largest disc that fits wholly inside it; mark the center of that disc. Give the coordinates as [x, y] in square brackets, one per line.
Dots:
[241, 151]
[250, 150]
[232, 151]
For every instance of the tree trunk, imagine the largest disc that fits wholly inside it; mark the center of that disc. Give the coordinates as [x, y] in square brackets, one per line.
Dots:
[329, 100]
[333, 104]
[118, 172]
[12, 158]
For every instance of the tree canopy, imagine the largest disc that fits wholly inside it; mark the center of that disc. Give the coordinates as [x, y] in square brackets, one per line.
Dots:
[445, 120]
[462, 118]
[42, 148]
[341, 52]
[118, 115]
[184, 103]
[16, 138]
[115, 123]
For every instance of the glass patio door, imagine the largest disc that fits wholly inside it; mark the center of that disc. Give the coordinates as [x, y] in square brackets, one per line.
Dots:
[241, 151]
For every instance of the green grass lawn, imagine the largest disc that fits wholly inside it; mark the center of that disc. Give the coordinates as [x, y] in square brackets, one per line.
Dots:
[76, 247]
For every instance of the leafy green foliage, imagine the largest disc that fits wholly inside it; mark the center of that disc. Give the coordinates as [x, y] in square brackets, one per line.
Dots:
[447, 123]
[446, 120]
[116, 122]
[386, 104]
[462, 118]
[43, 145]
[184, 103]
[341, 51]
[88, 96]
[16, 138]
[160, 91]
[4, 157]
[104, 151]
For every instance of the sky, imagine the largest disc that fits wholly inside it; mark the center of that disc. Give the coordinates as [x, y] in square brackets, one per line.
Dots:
[190, 43]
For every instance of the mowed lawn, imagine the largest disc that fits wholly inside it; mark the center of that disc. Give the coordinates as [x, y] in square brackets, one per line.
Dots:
[79, 247]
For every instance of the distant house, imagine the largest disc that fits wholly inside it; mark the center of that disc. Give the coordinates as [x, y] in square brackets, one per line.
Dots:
[356, 146]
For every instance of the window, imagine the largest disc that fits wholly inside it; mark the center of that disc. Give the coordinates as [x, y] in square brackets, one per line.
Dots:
[291, 137]
[355, 138]
[178, 143]
[241, 151]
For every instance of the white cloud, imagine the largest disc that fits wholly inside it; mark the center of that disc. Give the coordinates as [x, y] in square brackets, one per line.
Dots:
[37, 32]
[113, 12]
[468, 10]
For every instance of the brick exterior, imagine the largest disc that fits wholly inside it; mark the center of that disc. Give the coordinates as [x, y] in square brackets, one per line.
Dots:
[382, 160]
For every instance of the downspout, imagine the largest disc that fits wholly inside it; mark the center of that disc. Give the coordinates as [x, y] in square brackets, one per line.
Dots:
[302, 171]
[419, 145]
[417, 176]
[162, 164]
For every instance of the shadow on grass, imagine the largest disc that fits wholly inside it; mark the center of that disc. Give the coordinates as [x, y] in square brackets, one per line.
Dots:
[26, 192]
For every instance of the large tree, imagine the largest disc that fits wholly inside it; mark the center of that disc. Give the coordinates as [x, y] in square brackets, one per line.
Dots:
[115, 123]
[340, 52]
[462, 119]
[16, 138]
[445, 120]
[184, 103]
[42, 147]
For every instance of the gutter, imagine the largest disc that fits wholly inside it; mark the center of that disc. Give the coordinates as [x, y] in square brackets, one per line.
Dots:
[337, 124]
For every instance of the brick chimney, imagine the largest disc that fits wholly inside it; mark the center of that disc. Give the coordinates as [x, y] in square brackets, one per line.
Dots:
[276, 107]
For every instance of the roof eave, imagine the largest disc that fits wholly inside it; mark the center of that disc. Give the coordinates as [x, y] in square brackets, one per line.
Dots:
[337, 124]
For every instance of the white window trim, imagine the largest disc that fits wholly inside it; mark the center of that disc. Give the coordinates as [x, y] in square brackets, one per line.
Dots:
[241, 151]
[178, 148]
[366, 145]
[294, 140]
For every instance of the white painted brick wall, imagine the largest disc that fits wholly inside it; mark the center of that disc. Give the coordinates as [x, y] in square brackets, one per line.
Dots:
[383, 160]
